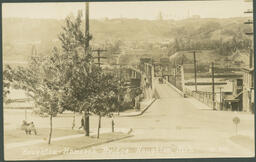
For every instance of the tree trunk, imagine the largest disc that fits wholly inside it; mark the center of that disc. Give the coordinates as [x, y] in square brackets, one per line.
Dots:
[74, 121]
[113, 125]
[99, 125]
[118, 105]
[50, 133]
[87, 120]
[85, 123]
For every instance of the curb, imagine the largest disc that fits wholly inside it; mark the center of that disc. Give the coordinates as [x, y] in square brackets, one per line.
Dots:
[101, 143]
[84, 147]
[142, 112]
[208, 107]
[176, 89]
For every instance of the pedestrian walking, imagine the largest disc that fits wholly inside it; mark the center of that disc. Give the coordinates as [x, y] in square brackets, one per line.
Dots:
[113, 124]
[82, 123]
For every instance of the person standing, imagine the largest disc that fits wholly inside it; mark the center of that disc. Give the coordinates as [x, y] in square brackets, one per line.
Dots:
[32, 128]
[113, 124]
[82, 123]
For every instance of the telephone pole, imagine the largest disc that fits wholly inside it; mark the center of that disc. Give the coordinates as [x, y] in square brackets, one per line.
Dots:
[220, 99]
[175, 73]
[87, 119]
[120, 79]
[87, 40]
[99, 57]
[249, 22]
[194, 53]
[87, 34]
[213, 88]
[251, 57]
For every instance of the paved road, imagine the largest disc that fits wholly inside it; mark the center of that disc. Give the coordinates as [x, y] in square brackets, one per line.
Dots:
[176, 127]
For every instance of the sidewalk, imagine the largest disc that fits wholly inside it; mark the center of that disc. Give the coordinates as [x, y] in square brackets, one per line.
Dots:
[71, 145]
[198, 104]
[144, 106]
[94, 132]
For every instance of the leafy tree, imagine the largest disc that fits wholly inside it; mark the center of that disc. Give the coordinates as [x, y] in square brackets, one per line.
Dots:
[105, 99]
[72, 36]
[6, 82]
[63, 80]
[41, 80]
[77, 66]
[85, 84]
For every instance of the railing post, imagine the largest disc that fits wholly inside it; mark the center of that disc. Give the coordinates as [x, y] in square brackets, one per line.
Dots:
[182, 79]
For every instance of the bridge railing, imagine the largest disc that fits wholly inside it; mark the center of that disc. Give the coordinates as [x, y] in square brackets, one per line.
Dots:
[204, 97]
[175, 81]
[175, 88]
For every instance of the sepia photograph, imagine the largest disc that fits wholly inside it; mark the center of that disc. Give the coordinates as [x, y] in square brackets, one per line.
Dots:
[128, 80]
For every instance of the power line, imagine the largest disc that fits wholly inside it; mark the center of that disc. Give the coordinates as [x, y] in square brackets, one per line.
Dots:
[99, 57]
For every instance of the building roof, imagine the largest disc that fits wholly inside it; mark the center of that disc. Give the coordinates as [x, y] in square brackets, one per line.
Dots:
[248, 69]
[208, 88]
[17, 94]
[231, 98]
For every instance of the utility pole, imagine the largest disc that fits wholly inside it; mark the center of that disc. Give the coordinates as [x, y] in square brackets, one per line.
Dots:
[162, 73]
[87, 40]
[250, 59]
[213, 90]
[154, 66]
[220, 99]
[120, 78]
[153, 74]
[87, 34]
[194, 53]
[99, 57]
[175, 73]
[227, 60]
[250, 22]
[119, 96]
[182, 79]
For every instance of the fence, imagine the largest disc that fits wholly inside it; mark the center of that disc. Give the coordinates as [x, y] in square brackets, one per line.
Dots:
[204, 97]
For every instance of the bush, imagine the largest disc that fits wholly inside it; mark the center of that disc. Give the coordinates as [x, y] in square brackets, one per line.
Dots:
[126, 105]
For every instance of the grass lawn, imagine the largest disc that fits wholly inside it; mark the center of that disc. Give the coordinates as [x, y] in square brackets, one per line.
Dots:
[44, 151]
[11, 136]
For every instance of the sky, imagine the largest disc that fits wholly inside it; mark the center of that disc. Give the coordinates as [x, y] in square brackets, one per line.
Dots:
[141, 10]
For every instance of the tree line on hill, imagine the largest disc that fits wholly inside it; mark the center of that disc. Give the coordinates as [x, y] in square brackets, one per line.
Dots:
[222, 35]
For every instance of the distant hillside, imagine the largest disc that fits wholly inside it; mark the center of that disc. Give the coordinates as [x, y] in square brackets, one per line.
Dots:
[19, 35]
[205, 57]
